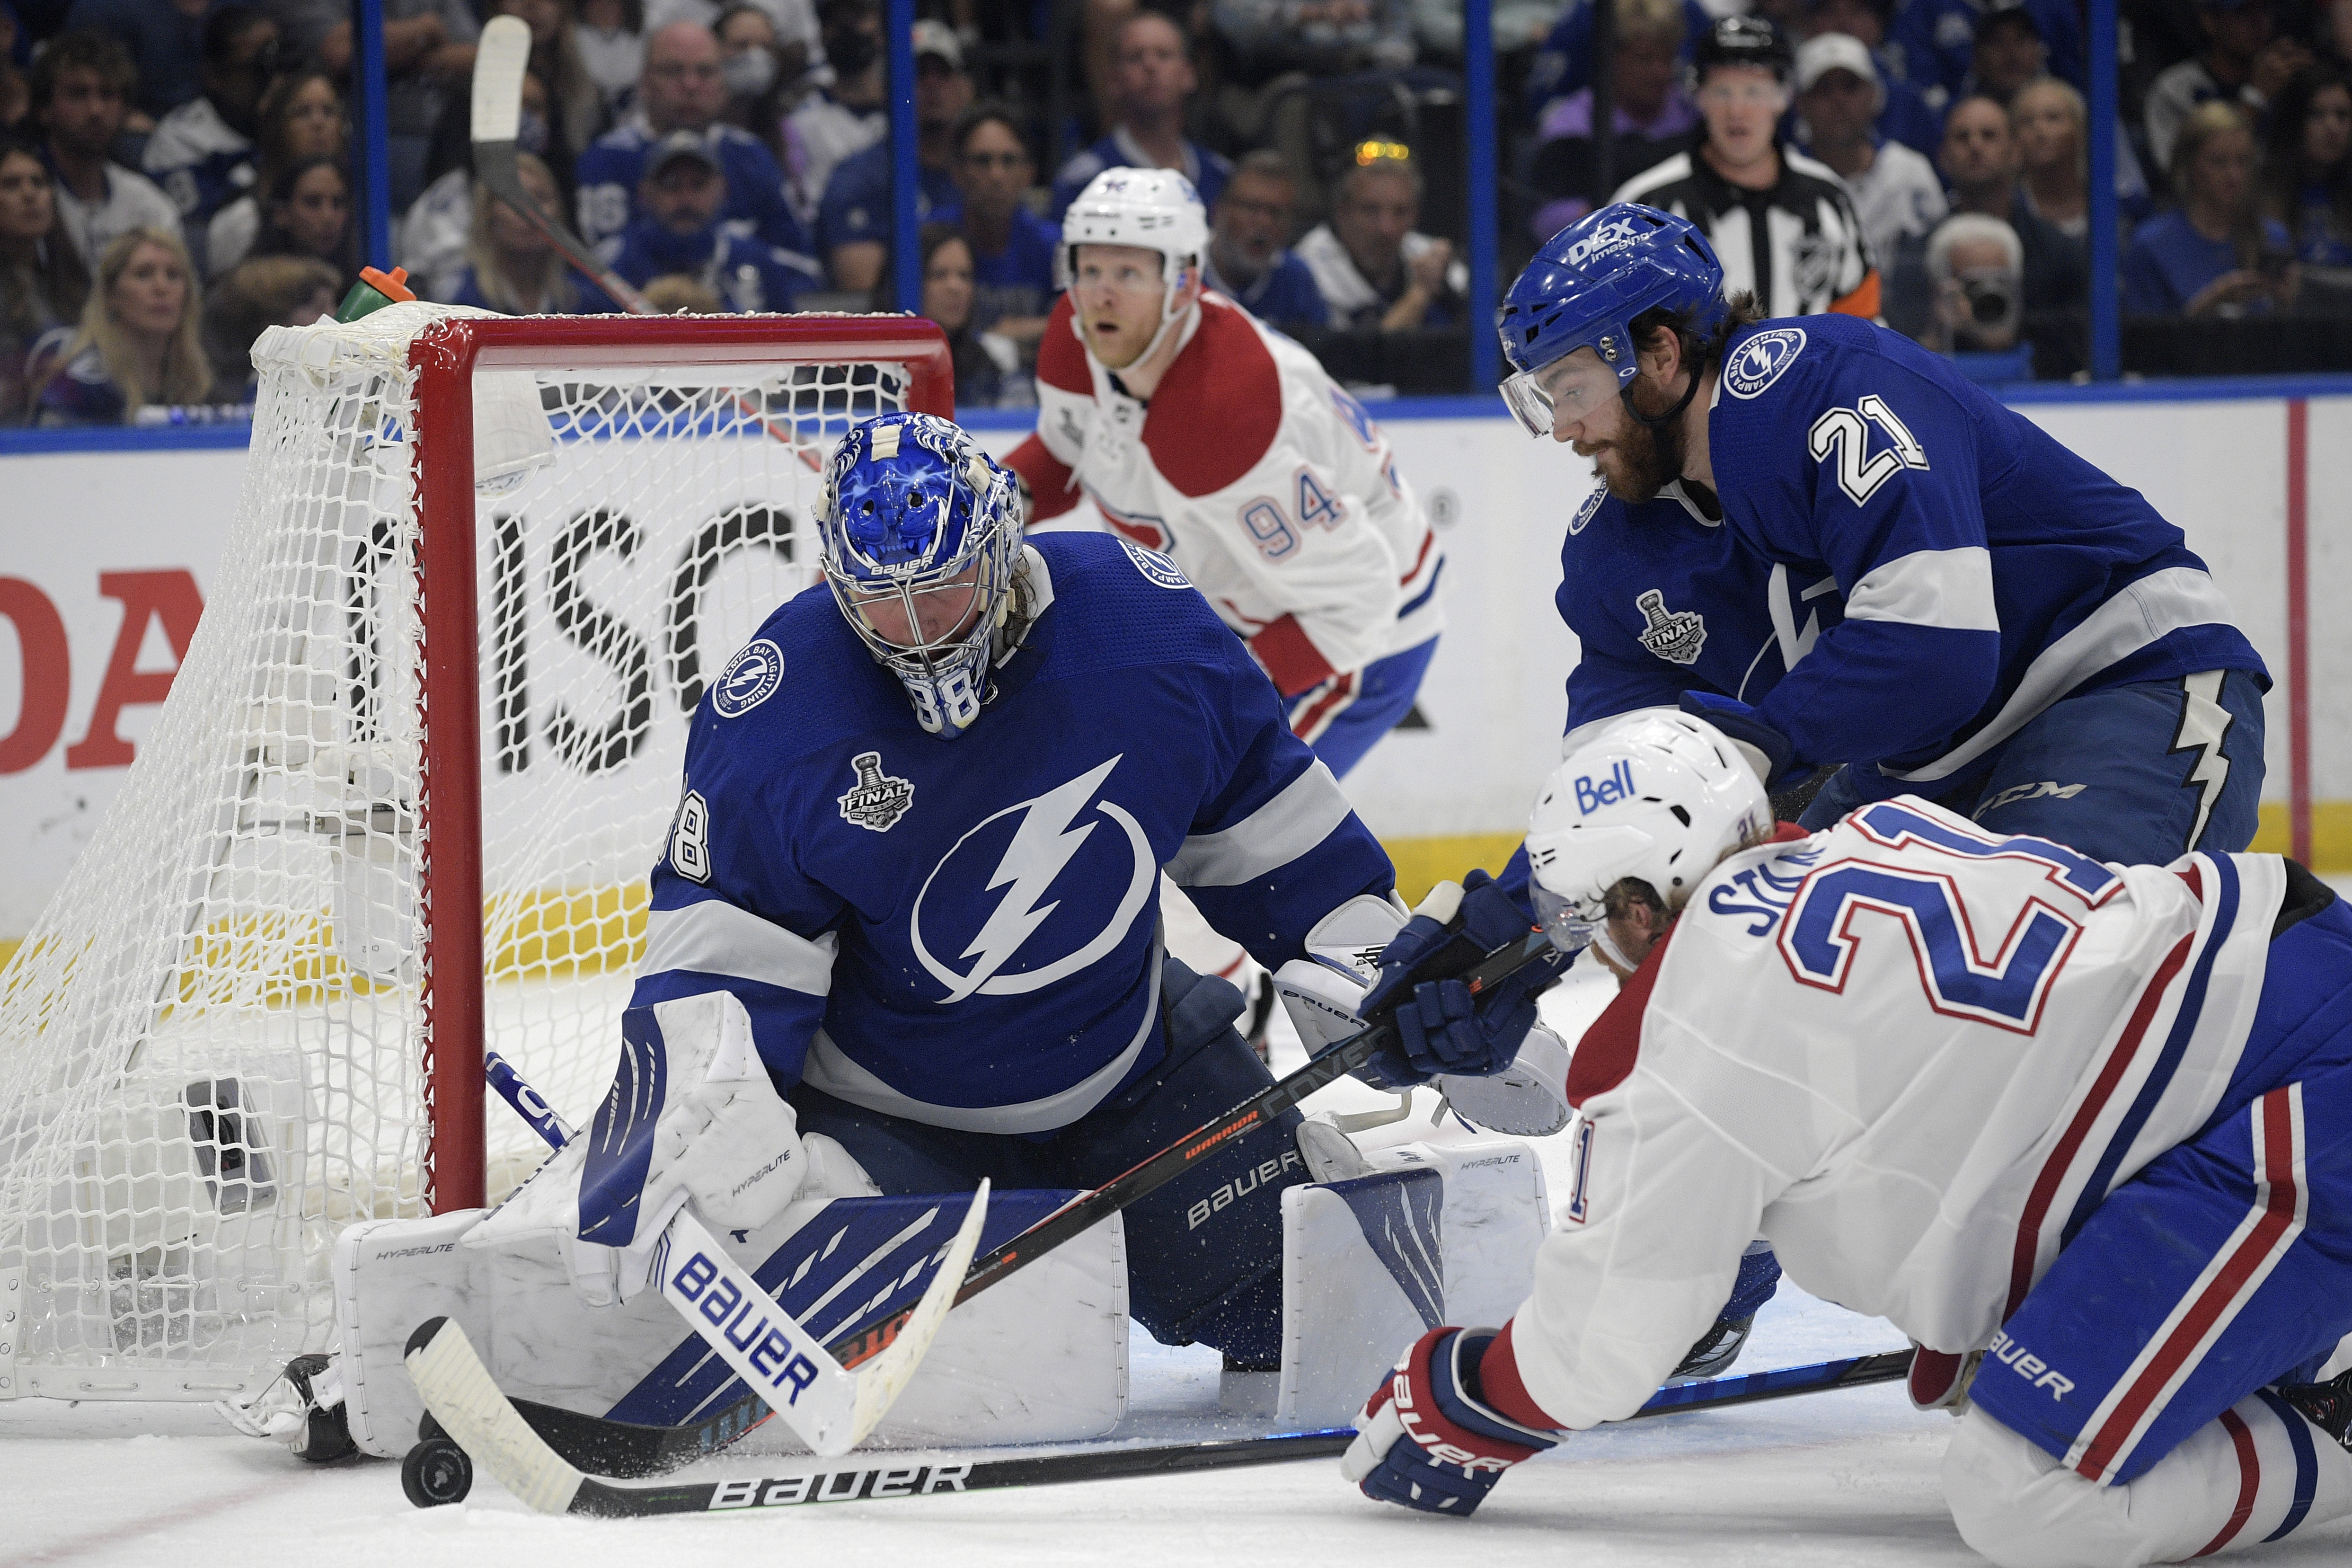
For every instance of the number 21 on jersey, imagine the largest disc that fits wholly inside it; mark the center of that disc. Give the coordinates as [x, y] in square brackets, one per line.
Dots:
[1819, 938]
[1844, 434]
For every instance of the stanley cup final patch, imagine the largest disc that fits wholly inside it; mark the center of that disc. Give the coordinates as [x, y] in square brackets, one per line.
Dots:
[877, 801]
[1675, 636]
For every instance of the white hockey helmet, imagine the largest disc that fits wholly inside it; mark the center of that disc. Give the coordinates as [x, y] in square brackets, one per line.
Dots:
[1659, 795]
[1152, 209]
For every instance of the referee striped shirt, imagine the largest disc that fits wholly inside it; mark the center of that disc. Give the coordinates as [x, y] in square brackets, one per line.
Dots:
[1798, 244]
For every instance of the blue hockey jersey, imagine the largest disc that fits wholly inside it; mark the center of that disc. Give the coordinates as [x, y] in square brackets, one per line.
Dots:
[966, 932]
[1987, 571]
[1664, 600]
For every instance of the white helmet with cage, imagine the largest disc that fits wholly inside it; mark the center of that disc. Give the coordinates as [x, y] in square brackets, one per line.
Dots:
[1151, 209]
[1658, 795]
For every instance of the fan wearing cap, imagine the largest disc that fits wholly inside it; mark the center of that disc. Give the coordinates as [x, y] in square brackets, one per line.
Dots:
[1840, 96]
[678, 233]
[852, 221]
[1782, 224]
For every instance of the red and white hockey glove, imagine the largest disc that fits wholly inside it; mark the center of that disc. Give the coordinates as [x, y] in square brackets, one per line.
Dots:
[1428, 1439]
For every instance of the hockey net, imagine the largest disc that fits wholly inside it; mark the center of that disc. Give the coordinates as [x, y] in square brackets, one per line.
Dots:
[400, 806]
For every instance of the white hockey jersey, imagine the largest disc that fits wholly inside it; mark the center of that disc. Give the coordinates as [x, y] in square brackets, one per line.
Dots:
[1267, 482]
[1912, 1053]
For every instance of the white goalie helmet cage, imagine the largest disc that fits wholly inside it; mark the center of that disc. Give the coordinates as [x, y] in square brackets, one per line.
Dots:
[1659, 795]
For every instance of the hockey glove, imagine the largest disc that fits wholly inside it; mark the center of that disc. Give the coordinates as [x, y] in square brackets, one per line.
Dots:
[692, 1114]
[1426, 1439]
[1445, 1028]
[1767, 749]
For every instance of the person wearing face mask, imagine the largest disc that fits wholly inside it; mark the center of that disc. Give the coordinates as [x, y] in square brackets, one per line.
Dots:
[678, 232]
[841, 118]
[763, 74]
[1784, 224]
[854, 220]
[612, 38]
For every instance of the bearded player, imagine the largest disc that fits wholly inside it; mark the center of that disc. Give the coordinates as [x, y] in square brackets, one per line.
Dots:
[2082, 1131]
[1200, 433]
[912, 882]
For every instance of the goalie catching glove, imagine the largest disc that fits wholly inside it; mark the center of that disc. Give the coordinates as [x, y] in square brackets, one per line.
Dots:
[692, 1115]
[1428, 1439]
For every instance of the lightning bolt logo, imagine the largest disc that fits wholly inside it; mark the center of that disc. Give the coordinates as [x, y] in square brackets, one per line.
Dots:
[1043, 846]
[2203, 722]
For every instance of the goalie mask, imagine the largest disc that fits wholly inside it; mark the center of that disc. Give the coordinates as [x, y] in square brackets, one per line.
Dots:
[921, 535]
[1661, 796]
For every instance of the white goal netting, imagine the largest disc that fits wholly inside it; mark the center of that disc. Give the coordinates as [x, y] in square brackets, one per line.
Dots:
[213, 1044]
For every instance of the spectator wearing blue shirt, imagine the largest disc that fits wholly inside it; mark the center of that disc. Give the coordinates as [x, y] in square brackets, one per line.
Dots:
[679, 232]
[2211, 254]
[853, 223]
[1249, 261]
[1151, 78]
[2307, 183]
[1012, 248]
[1563, 62]
[1937, 40]
[684, 88]
[989, 373]
[202, 153]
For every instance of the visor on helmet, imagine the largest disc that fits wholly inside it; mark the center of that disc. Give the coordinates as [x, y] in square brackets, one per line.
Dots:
[1570, 924]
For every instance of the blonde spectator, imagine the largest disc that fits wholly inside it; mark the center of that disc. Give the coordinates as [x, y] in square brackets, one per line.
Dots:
[510, 268]
[2048, 117]
[140, 343]
[2213, 254]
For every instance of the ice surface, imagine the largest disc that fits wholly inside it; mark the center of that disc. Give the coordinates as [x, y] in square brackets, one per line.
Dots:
[1825, 1481]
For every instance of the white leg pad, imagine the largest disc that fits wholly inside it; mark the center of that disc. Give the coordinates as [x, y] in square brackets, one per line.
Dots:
[1040, 1358]
[1437, 1233]
[2022, 1509]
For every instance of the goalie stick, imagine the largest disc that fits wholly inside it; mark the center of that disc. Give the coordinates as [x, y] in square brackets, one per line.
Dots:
[599, 1444]
[469, 1407]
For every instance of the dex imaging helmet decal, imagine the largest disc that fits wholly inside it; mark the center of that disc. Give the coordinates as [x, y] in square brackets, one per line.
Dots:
[1042, 874]
[749, 678]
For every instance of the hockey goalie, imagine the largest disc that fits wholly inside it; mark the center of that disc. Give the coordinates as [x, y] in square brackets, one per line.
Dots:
[903, 938]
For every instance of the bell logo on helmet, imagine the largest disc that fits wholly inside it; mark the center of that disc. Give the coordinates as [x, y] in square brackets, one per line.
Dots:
[1613, 786]
[749, 678]
[1759, 362]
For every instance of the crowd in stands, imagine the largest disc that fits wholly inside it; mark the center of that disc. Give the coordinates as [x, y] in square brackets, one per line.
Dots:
[177, 175]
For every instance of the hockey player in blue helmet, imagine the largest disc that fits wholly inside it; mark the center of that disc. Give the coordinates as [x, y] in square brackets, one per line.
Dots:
[1969, 611]
[914, 871]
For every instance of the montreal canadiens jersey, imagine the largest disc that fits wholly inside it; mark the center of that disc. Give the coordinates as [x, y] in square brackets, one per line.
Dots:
[965, 932]
[1258, 476]
[1987, 571]
[1664, 600]
[1912, 1054]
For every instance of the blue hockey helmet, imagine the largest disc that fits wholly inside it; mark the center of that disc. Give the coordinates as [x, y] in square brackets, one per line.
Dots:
[921, 534]
[1585, 287]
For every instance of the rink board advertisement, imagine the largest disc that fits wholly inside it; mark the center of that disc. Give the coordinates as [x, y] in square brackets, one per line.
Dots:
[110, 554]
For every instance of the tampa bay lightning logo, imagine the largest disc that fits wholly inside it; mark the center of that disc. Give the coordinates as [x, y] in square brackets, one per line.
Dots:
[1759, 360]
[1156, 568]
[1030, 883]
[749, 678]
[1585, 513]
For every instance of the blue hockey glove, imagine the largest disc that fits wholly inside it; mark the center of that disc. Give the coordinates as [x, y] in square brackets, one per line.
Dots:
[1737, 720]
[1445, 1028]
[1426, 1439]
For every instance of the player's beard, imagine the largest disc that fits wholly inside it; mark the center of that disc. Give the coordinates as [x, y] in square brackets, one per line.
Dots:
[1645, 458]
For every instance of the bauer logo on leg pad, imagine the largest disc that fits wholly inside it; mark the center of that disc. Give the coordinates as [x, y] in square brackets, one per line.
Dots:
[773, 1354]
[2031, 1367]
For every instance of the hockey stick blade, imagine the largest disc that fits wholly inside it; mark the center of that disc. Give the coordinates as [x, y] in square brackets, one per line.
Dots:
[500, 57]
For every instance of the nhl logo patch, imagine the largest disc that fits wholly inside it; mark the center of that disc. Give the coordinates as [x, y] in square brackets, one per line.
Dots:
[749, 678]
[1760, 359]
[877, 801]
[1675, 636]
[1590, 508]
[1157, 569]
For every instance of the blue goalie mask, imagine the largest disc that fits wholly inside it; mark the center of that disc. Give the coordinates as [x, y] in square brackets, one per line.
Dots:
[921, 534]
[1585, 287]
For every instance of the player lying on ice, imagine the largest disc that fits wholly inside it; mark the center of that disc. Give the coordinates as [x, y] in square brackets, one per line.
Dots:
[2081, 1131]
[907, 908]
[1830, 543]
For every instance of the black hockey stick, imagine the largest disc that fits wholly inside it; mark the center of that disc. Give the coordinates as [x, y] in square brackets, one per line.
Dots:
[611, 1447]
[444, 1367]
